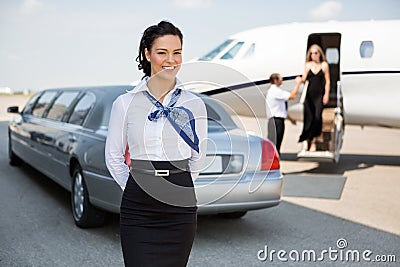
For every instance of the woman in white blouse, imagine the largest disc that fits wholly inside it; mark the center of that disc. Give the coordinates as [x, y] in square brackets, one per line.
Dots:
[165, 128]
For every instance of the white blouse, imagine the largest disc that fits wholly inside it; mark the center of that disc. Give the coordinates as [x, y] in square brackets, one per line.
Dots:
[155, 140]
[276, 98]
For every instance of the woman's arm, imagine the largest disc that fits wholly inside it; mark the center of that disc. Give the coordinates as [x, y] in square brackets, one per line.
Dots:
[294, 92]
[307, 68]
[325, 69]
[196, 161]
[116, 144]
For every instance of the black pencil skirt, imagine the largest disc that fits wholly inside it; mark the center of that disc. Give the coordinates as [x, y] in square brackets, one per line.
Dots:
[158, 215]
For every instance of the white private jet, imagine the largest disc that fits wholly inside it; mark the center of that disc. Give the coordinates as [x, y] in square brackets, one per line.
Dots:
[364, 61]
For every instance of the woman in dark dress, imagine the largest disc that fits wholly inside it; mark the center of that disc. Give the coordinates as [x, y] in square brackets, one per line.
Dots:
[317, 74]
[164, 127]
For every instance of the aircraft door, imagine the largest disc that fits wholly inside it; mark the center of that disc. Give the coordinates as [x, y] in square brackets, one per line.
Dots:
[329, 142]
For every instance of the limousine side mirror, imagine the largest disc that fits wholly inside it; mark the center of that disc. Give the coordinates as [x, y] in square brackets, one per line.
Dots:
[13, 109]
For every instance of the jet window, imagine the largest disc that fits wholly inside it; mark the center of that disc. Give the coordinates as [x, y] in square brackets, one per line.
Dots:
[366, 49]
[233, 51]
[211, 55]
[332, 55]
[250, 51]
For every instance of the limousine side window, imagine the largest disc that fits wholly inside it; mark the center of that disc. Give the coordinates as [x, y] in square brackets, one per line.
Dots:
[45, 99]
[82, 109]
[61, 105]
[212, 115]
[31, 103]
[217, 117]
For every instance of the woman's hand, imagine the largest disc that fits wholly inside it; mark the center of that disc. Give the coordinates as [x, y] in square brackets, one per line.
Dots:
[325, 99]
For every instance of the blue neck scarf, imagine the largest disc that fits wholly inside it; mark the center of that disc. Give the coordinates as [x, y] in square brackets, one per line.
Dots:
[180, 118]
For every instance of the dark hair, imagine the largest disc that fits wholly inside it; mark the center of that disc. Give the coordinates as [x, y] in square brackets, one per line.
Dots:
[149, 35]
[274, 77]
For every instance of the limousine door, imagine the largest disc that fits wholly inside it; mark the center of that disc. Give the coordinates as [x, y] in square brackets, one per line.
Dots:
[22, 132]
[36, 135]
[59, 134]
[329, 142]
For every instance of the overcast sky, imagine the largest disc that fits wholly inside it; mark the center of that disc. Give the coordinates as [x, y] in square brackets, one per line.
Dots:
[54, 43]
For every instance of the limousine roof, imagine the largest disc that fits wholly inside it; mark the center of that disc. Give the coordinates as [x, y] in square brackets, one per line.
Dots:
[100, 114]
[97, 88]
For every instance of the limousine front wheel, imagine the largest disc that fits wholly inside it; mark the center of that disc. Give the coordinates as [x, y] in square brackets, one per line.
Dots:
[85, 215]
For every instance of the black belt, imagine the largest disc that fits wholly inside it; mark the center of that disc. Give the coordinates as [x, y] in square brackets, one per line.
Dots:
[158, 172]
[159, 168]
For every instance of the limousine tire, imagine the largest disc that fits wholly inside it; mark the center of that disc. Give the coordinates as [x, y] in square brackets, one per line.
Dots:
[85, 214]
[14, 159]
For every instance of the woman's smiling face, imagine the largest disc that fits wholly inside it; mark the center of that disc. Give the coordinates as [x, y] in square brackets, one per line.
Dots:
[165, 56]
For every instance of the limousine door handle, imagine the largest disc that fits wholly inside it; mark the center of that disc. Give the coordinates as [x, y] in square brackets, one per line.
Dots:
[72, 138]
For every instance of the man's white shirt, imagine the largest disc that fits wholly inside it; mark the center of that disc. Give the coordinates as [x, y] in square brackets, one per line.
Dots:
[276, 98]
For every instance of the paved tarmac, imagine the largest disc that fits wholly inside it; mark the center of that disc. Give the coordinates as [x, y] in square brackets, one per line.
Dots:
[36, 227]
[370, 161]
